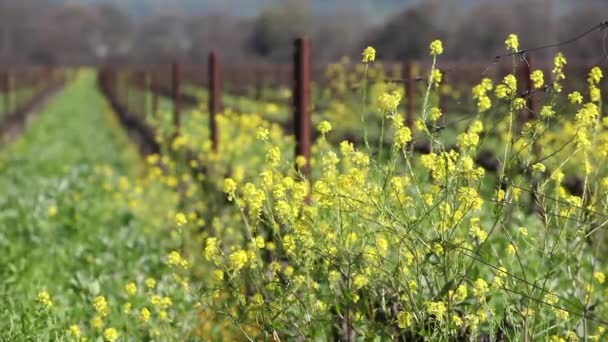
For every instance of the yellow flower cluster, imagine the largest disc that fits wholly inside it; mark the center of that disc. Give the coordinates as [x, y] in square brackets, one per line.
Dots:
[369, 54]
[436, 48]
[388, 102]
[44, 298]
[512, 43]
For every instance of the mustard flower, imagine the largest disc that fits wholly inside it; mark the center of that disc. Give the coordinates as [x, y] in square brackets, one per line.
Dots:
[538, 78]
[480, 289]
[538, 168]
[324, 127]
[131, 288]
[180, 219]
[211, 248]
[436, 77]
[404, 319]
[467, 139]
[402, 136]
[512, 43]
[519, 103]
[175, 259]
[97, 322]
[575, 97]
[110, 334]
[600, 277]
[369, 54]
[75, 331]
[437, 309]
[230, 188]
[595, 75]
[44, 298]
[436, 48]
[388, 102]
[262, 134]
[511, 249]
[360, 280]
[595, 94]
[547, 112]
[238, 260]
[273, 157]
[435, 114]
[144, 315]
[150, 283]
[101, 306]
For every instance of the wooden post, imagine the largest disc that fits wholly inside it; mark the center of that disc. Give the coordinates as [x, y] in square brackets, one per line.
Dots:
[177, 96]
[301, 102]
[410, 86]
[214, 97]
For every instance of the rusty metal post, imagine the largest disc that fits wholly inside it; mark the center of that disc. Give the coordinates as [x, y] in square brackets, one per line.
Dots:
[177, 96]
[301, 102]
[214, 97]
[410, 86]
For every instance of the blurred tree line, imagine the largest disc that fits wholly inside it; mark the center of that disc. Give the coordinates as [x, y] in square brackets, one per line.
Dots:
[51, 33]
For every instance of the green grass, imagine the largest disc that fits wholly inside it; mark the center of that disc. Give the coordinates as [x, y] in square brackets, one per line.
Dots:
[69, 161]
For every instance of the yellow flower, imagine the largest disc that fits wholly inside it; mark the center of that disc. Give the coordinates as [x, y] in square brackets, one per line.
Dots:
[480, 289]
[75, 331]
[437, 309]
[180, 219]
[97, 322]
[360, 280]
[539, 168]
[101, 306]
[388, 102]
[130, 288]
[404, 319]
[150, 283]
[262, 134]
[435, 114]
[547, 112]
[324, 127]
[538, 78]
[595, 75]
[238, 260]
[511, 249]
[52, 211]
[273, 157]
[575, 97]
[436, 48]
[600, 277]
[230, 188]
[175, 259]
[402, 136]
[110, 334]
[144, 315]
[436, 77]
[369, 54]
[44, 298]
[512, 43]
